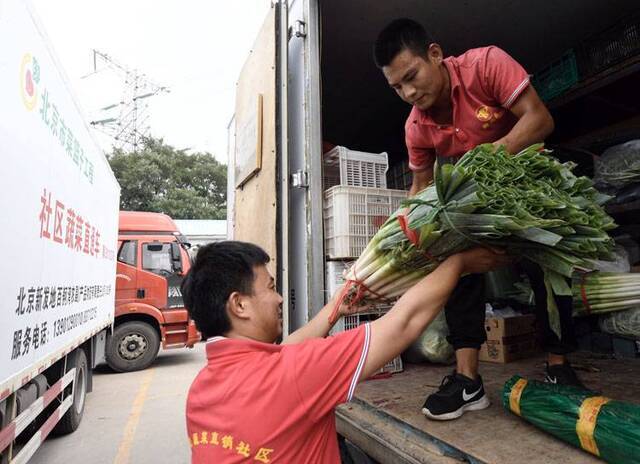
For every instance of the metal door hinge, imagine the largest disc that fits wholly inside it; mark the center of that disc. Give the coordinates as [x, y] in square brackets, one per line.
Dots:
[299, 29]
[300, 179]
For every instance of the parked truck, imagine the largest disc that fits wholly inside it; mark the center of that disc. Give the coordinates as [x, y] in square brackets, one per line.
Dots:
[310, 79]
[60, 222]
[149, 312]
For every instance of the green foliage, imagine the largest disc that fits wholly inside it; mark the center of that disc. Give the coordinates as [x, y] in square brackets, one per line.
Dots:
[160, 178]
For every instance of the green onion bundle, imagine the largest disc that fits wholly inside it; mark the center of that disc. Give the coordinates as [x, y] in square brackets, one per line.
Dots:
[604, 292]
[606, 428]
[529, 203]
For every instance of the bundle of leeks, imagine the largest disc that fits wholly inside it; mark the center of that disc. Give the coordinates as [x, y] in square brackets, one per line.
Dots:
[605, 292]
[529, 204]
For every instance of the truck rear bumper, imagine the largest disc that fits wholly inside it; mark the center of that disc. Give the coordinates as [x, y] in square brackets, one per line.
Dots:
[193, 336]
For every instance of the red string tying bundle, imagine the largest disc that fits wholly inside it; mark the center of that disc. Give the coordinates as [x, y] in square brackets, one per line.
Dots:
[411, 235]
[362, 288]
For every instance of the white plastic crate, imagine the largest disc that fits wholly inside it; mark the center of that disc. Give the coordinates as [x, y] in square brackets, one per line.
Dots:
[355, 168]
[355, 320]
[352, 216]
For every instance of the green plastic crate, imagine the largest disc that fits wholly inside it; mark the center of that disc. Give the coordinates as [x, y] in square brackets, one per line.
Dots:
[557, 77]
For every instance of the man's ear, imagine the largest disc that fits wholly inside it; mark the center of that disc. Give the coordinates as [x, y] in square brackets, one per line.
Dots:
[237, 305]
[434, 52]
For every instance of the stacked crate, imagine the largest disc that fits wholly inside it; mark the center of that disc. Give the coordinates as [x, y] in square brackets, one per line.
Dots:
[356, 204]
[356, 200]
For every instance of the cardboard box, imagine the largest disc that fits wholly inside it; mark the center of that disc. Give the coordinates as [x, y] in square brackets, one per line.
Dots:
[509, 338]
[509, 349]
[499, 328]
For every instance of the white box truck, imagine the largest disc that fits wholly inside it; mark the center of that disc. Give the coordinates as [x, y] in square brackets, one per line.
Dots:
[310, 79]
[59, 207]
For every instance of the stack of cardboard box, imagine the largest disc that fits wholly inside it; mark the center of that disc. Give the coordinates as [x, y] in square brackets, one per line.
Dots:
[509, 338]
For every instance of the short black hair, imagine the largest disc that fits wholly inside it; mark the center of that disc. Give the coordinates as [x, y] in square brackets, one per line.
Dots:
[219, 269]
[398, 35]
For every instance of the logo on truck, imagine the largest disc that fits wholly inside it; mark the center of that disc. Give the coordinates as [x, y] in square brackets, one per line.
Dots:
[29, 80]
[52, 113]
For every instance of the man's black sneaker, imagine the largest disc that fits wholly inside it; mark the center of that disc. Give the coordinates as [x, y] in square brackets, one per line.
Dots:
[563, 374]
[457, 394]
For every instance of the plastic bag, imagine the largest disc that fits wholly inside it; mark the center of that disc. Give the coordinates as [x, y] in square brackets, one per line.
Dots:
[432, 345]
[620, 263]
[626, 195]
[625, 323]
[619, 165]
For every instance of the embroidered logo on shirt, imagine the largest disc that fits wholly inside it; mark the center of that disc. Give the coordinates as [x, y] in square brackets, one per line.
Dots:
[487, 116]
[483, 113]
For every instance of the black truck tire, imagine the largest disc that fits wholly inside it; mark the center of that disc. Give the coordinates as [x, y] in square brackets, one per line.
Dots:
[71, 419]
[132, 346]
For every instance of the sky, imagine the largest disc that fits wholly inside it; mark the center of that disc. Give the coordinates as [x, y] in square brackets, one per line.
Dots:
[196, 48]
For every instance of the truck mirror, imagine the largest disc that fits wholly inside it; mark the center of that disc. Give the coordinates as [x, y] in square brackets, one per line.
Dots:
[176, 257]
[175, 251]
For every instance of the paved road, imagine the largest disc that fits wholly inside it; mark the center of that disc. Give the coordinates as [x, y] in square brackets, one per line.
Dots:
[135, 418]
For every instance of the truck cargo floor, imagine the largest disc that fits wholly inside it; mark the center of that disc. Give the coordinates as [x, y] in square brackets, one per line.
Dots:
[384, 418]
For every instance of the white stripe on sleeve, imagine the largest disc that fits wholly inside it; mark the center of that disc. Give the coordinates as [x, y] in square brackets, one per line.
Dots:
[516, 92]
[363, 358]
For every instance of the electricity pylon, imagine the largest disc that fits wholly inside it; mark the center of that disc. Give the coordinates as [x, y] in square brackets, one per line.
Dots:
[125, 121]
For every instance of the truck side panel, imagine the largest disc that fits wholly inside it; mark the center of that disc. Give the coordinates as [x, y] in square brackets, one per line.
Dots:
[60, 208]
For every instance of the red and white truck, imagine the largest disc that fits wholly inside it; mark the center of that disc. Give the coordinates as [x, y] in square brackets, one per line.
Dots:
[59, 210]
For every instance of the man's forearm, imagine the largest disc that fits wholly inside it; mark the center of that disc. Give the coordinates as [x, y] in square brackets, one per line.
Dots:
[533, 126]
[422, 302]
[526, 132]
[395, 331]
[317, 327]
[421, 180]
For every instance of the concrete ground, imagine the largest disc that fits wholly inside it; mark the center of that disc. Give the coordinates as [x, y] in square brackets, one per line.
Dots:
[137, 417]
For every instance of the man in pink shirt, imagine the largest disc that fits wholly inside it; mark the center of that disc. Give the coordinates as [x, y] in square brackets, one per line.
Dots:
[256, 401]
[481, 96]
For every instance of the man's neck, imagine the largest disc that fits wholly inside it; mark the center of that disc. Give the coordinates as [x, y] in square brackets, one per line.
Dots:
[240, 334]
[442, 110]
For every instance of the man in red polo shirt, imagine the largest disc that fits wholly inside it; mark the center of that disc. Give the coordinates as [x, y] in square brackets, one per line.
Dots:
[255, 401]
[481, 96]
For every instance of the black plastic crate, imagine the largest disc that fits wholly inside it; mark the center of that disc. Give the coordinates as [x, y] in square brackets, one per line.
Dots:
[557, 77]
[609, 47]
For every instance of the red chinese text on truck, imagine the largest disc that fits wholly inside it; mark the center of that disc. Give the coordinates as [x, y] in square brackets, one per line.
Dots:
[152, 261]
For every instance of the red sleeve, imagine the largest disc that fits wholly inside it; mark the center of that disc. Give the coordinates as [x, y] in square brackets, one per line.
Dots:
[504, 78]
[420, 158]
[326, 370]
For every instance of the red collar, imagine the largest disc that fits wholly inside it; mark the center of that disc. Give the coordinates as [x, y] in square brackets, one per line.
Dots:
[218, 346]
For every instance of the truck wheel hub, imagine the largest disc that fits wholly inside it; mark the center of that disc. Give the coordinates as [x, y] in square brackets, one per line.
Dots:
[132, 346]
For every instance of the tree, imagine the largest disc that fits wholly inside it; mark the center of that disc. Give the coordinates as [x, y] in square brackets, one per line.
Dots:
[160, 178]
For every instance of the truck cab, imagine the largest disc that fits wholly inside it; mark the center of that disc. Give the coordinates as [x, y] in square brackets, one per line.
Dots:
[152, 261]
